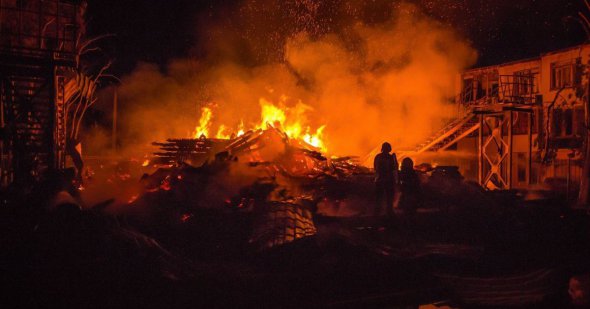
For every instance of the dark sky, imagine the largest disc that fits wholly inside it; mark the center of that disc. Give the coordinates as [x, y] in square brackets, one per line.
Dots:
[501, 30]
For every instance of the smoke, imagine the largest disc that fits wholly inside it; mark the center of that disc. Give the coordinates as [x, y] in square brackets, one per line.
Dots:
[369, 72]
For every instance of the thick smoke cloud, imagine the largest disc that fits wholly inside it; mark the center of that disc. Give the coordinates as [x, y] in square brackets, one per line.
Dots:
[369, 72]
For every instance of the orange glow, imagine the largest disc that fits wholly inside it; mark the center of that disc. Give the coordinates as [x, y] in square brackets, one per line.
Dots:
[146, 162]
[165, 185]
[204, 123]
[185, 217]
[221, 133]
[241, 128]
[290, 120]
[316, 138]
[132, 199]
[270, 115]
[394, 82]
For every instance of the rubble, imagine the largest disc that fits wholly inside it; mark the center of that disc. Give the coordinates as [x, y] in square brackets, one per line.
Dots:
[265, 220]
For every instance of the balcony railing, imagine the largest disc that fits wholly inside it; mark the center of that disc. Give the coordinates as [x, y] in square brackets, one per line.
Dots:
[508, 89]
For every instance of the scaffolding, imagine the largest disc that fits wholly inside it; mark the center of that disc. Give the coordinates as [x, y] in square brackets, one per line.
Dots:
[492, 104]
[37, 54]
[496, 144]
[497, 118]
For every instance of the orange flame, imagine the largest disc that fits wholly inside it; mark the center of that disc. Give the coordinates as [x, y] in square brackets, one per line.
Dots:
[316, 138]
[241, 128]
[204, 123]
[221, 133]
[291, 121]
[270, 115]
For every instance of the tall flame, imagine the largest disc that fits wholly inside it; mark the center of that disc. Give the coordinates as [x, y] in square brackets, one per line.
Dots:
[316, 139]
[221, 133]
[241, 128]
[291, 121]
[204, 123]
[270, 115]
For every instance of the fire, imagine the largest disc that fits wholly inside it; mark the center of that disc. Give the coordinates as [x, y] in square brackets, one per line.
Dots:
[204, 123]
[221, 133]
[224, 133]
[291, 121]
[241, 128]
[316, 138]
[146, 163]
[270, 115]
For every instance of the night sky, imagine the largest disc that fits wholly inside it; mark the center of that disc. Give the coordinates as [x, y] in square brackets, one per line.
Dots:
[501, 30]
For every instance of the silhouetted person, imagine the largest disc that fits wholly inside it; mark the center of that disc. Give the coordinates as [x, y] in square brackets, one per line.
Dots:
[410, 188]
[385, 165]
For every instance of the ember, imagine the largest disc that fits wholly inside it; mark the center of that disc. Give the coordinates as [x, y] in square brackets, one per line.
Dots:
[185, 217]
[132, 199]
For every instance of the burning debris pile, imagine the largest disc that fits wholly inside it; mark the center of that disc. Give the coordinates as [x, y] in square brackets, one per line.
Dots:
[264, 217]
[180, 150]
[264, 174]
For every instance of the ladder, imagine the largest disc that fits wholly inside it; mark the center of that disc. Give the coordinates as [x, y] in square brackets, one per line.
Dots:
[451, 133]
[33, 120]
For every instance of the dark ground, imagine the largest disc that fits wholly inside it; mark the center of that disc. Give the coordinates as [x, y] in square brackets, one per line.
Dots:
[504, 253]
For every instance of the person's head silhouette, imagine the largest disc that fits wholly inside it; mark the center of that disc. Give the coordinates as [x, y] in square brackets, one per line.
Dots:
[386, 147]
[407, 165]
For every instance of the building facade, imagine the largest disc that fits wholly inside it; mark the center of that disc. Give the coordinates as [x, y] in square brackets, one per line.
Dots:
[38, 51]
[522, 124]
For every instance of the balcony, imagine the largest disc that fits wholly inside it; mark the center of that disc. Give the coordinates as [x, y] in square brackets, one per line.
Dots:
[517, 89]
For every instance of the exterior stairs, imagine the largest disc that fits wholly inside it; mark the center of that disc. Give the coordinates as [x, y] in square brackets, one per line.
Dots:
[457, 129]
[450, 134]
[29, 115]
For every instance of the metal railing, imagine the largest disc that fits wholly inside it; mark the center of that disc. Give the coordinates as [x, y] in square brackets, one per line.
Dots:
[511, 89]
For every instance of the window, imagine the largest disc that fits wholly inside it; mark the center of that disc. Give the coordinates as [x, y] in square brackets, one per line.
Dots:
[480, 91]
[525, 83]
[568, 121]
[535, 171]
[580, 125]
[562, 75]
[468, 90]
[494, 89]
[521, 125]
[521, 164]
[563, 122]
[556, 122]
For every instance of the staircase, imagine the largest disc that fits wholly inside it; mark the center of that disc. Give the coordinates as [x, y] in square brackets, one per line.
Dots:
[454, 131]
[29, 113]
[451, 133]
